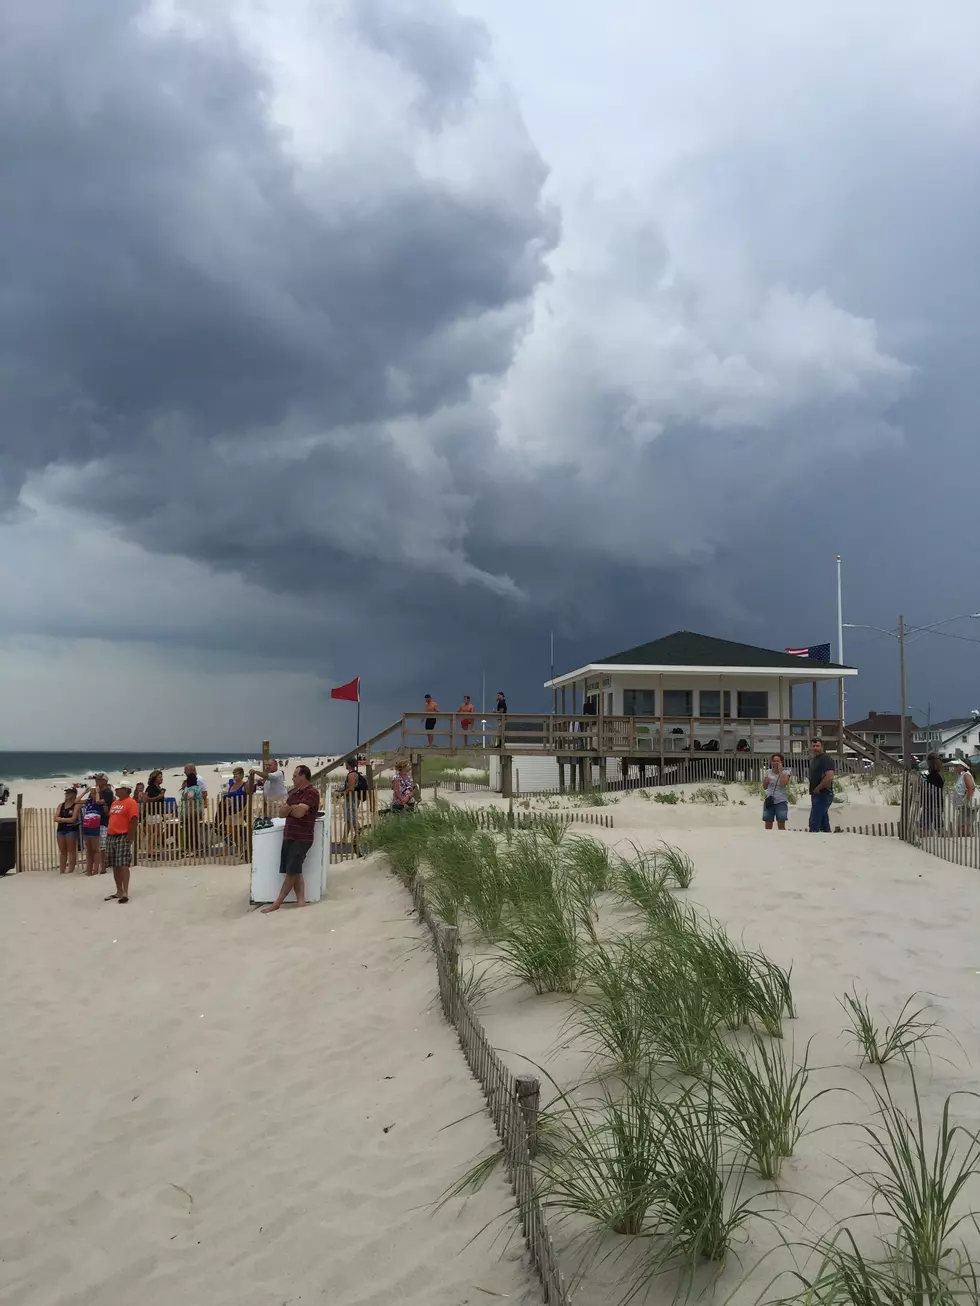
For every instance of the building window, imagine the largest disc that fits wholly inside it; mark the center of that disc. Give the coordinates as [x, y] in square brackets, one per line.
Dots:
[879, 739]
[639, 702]
[710, 699]
[677, 702]
[609, 704]
[753, 703]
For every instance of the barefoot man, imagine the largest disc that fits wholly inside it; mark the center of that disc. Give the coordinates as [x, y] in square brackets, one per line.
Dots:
[466, 714]
[124, 816]
[431, 708]
[300, 809]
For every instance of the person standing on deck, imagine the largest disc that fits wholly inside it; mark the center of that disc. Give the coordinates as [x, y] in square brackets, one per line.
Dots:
[467, 712]
[431, 707]
[501, 713]
[300, 809]
[821, 788]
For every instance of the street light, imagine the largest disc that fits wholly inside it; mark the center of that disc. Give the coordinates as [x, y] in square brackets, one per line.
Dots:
[904, 630]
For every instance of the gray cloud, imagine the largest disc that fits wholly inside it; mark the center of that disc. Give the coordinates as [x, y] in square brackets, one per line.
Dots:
[283, 295]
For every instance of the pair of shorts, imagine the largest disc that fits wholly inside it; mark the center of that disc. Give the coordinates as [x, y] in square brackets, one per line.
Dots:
[775, 811]
[293, 856]
[430, 723]
[118, 850]
[68, 834]
[465, 725]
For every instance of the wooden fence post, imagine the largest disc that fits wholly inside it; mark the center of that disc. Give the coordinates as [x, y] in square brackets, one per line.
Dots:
[449, 942]
[19, 834]
[529, 1100]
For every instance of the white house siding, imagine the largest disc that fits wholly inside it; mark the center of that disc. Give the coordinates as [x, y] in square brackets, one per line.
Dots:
[539, 774]
[965, 740]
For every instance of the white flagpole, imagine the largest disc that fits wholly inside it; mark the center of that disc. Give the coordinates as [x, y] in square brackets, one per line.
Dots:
[842, 697]
[840, 618]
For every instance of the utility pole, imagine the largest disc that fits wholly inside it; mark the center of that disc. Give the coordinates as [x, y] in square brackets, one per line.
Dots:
[906, 736]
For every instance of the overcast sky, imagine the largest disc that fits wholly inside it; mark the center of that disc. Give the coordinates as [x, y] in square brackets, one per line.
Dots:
[383, 337]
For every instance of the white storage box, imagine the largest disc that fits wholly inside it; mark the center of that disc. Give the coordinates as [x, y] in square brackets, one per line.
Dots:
[266, 846]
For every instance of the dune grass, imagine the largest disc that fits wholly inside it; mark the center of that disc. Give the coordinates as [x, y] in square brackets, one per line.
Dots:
[880, 1044]
[764, 1098]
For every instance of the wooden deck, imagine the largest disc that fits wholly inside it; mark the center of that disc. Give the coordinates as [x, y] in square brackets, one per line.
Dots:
[638, 738]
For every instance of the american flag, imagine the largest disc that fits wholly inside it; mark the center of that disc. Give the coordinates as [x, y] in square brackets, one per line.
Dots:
[817, 652]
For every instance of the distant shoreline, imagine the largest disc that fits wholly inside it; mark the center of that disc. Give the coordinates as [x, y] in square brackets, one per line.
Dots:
[23, 766]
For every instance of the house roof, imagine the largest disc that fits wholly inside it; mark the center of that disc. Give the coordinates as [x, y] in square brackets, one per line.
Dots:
[954, 723]
[687, 649]
[685, 652]
[886, 723]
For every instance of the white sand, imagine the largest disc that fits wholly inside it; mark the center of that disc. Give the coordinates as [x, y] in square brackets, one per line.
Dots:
[844, 910]
[194, 1098]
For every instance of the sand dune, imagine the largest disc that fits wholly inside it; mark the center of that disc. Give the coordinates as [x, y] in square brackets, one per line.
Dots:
[196, 1096]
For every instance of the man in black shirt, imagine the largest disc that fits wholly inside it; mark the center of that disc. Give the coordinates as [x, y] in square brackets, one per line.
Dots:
[501, 713]
[821, 788]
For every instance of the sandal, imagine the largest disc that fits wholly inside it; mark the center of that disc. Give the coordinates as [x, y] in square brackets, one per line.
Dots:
[110, 897]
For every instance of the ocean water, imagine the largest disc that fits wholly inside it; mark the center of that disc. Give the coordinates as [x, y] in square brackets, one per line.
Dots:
[73, 766]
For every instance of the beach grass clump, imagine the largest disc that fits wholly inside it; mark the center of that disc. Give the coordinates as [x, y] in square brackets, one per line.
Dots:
[553, 830]
[683, 1020]
[881, 1043]
[667, 796]
[764, 1098]
[768, 995]
[610, 1167]
[540, 939]
[588, 860]
[677, 864]
[473, 983]
[709, 795]
[919, 1186]
[701, 1188]
[542, 947]
[639, 880]
[612, 1016]
[919, 1183]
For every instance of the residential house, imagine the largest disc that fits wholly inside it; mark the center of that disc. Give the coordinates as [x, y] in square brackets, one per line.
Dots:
[949, 738]
[882, 729]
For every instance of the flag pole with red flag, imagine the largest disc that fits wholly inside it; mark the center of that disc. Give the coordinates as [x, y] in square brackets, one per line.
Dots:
[351, 693]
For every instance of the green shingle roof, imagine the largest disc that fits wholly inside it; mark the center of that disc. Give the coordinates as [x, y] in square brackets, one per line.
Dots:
[685, 648]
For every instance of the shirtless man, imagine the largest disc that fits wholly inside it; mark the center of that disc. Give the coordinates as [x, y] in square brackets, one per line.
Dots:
[466, 714]
[431, 708]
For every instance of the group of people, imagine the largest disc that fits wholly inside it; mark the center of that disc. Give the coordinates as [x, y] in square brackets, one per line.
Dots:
[775, 799]
[104, 821]
[465, 714]
[101, 822]
[963, 796]
[775, 806]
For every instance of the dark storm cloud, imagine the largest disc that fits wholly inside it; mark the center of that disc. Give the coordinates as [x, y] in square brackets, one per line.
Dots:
[333, 347]
[217, 332]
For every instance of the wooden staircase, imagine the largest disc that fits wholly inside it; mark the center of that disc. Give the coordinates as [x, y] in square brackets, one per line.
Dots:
[862, 748]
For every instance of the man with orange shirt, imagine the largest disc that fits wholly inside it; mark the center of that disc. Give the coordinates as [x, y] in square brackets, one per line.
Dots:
[124, 815]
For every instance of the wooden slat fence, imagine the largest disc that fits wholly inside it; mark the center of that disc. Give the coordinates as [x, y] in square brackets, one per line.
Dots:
[349, 821]
[704, 769]
[934, 822]
[167, 835]
[508, 1102]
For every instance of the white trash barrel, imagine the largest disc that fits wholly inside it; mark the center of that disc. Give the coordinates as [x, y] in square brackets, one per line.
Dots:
[266, 846]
